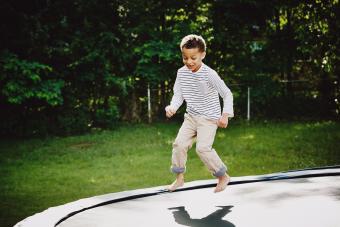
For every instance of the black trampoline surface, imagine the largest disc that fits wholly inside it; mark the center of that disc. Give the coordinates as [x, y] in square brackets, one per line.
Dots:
[297, 198]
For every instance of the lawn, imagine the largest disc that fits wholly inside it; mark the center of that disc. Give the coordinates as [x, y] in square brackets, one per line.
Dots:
[39, 173]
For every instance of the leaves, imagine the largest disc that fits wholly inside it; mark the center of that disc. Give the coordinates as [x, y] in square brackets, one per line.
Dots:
[24, 80]
[75, 56]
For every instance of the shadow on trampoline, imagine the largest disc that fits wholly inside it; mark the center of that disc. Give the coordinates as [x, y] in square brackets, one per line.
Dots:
[182, 217]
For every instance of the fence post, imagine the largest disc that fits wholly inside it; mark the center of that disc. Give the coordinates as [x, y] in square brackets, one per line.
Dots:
[248, 104]
[149, 104]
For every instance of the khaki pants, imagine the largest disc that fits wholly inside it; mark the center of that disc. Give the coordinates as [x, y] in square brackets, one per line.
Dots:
[204, 130]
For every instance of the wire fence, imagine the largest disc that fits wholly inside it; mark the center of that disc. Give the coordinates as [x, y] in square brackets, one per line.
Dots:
[295, 99]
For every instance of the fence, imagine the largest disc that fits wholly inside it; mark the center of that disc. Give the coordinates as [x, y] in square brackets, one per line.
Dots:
[297, 99]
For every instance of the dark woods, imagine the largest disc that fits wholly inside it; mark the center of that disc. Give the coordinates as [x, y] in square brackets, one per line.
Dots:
[68, 66]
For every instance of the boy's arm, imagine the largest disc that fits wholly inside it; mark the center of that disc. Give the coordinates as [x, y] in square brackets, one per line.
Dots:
[177, 99]
[225, 93]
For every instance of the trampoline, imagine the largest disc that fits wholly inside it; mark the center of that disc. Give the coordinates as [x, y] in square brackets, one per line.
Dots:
[309, 197]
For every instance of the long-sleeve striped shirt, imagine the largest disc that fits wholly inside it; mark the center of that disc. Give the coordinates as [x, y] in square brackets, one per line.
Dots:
[200, 91]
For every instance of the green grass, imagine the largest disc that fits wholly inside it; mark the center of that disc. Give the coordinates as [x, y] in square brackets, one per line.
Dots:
[39, 173]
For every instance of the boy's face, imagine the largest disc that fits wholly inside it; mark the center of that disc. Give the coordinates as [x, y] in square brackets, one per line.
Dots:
[192, 58]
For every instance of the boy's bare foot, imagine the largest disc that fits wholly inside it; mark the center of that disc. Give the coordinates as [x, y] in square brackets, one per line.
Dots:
[179, 182]
[223, 181]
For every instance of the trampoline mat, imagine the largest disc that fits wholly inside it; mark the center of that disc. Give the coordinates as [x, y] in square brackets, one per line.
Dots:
[313, 201]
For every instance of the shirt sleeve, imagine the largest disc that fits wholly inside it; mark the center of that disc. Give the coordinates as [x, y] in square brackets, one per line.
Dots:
[224, 92]
[177, 98]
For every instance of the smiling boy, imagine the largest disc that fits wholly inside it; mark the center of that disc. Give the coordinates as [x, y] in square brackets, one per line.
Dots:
[199, 86]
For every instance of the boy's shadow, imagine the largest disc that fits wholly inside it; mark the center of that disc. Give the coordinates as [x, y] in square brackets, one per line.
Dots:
[215, 219]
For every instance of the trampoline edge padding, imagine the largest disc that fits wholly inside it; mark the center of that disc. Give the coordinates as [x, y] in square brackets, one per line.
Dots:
[55, 215]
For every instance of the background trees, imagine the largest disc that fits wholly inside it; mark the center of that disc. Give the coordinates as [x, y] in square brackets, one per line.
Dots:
[68, 66]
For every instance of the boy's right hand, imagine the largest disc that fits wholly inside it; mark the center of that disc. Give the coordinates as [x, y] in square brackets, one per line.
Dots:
[169, 111]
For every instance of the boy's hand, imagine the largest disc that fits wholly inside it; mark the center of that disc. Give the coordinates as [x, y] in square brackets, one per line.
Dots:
[169, 111]
[223, 121]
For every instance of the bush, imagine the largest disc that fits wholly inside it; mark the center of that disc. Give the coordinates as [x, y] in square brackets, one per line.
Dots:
[73, 121]
[106, 117]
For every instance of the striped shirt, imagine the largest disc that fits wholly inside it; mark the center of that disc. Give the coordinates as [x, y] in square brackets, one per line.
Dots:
[201, 91]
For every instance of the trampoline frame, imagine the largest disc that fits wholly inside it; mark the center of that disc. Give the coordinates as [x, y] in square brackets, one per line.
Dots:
[53, 216]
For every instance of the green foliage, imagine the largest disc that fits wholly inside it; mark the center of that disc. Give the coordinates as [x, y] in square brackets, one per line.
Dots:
[23, 80]
[72, 121]
[155, 57]
[71, 58]
[107, 116]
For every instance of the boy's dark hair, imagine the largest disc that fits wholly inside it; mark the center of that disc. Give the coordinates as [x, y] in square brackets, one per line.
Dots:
[193, 41]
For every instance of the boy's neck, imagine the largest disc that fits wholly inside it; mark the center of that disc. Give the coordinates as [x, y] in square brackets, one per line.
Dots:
[198, 68]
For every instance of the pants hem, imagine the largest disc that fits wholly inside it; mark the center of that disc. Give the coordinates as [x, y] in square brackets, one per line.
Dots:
[220, 172]
[177, 169]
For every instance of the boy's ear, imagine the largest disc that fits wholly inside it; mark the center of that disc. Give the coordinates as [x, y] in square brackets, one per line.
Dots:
[203, 55]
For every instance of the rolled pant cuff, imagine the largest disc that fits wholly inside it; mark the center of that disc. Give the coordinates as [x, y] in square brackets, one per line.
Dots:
[220, 172]
[178, 169]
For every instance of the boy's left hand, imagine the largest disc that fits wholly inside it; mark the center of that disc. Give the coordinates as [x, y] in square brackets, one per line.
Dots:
[223, 121]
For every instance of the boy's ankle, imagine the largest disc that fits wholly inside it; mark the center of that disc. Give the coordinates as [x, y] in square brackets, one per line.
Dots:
[180, 177]
[225, 176]
[179, 182]
[222, 183]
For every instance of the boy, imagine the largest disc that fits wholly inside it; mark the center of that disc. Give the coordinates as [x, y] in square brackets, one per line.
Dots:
[200, 86]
